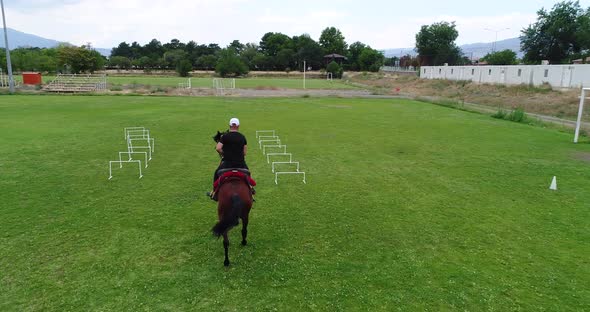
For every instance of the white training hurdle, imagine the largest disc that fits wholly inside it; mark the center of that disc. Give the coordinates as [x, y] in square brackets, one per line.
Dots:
[130, 158]
[276, 141]
[289, 172]
[121, 166]
[268, 139]
[135, 134]
[284, 163]
[284, 147]
[278, 154]
[132, 148]
[130, 128]
[258, 132]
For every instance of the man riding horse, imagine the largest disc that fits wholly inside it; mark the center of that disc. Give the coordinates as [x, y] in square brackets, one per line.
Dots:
[232, 147]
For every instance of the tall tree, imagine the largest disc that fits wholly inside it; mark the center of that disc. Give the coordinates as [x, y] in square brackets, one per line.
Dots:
[229, 64]
[354, 52]
[307, 50]
[332, 41]
[436, 44]
[271, 43]
[557, 35]
[237, 46]
[79, 59]
[370, 60]
[123, 49]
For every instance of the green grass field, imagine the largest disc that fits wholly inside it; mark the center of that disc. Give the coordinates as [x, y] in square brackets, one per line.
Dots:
[242, 83]
[408, 206]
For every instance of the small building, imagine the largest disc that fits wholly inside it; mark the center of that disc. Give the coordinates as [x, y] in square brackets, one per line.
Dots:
[335, 57]
[32, 78]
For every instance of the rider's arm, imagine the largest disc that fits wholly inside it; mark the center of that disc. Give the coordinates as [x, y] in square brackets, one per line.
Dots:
[245, 149]
[219, 148]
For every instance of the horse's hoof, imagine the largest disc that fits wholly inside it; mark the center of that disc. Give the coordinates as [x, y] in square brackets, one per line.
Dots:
[226, 263]
[244, 243]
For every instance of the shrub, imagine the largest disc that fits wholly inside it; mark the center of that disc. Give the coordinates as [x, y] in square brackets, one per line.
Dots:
[517, 115]
[183, 68]
[500, 114]
[335, 69]
[230, 64]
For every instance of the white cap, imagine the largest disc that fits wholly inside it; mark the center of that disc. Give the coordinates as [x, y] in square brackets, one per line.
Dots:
[234, 121]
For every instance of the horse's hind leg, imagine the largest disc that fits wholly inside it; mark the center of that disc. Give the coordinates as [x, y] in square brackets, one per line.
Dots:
[226, 247]
[244, 230]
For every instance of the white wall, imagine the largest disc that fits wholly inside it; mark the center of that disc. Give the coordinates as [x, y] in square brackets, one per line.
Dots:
[558, 76]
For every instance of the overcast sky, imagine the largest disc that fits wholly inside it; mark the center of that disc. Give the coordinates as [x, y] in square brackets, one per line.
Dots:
[381, 24]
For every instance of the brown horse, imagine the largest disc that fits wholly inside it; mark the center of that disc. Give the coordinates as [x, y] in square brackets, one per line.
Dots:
[235, 202]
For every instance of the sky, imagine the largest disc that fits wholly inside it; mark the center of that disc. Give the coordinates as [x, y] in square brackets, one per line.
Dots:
[380, 24]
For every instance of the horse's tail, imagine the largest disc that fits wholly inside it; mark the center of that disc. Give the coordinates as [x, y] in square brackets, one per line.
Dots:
[231, 217]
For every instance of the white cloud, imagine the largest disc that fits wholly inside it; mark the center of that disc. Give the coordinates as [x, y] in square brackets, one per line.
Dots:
[106, 23]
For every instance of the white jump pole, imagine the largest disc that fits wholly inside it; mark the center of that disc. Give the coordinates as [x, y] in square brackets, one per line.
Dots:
[580, 111]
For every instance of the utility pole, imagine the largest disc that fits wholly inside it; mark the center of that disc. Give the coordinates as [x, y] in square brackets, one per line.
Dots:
[495, 31]
[304, 68]
[8, 63]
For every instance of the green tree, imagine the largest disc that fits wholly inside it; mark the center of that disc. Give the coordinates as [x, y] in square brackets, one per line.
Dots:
[262, 62]
[248, 53]
[504, 57]
[145, 62]
[79, 59]
[334, 69]
[153, 49]
[236, 46]
[557, 35]
[370, 60]
[207, 62]
[184, 67]
[271, 43]
[230, 64]
[285, 59]
[436, 44]
[307, 50]
[332, 41]
[123, 49]
[354, 52]
[173, 57]
[120, 62]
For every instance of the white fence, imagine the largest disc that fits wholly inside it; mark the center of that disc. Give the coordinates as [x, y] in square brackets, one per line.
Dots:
[558, 76]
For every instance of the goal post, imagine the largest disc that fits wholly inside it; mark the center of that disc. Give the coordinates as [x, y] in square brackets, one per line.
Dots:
[585, 92]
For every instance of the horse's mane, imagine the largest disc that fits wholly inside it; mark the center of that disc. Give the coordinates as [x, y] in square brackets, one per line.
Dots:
[218, 135]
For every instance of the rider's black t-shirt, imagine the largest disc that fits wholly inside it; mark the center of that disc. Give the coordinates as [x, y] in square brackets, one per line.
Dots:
[233, 147]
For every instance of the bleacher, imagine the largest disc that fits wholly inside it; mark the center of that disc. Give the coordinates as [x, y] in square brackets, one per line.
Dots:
[77, 83]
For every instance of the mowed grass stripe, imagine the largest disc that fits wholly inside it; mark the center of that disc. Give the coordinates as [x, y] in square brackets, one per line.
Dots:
[408, 205]
[241, 83]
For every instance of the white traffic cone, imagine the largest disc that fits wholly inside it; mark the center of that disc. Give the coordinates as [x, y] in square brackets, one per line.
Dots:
[553, 184]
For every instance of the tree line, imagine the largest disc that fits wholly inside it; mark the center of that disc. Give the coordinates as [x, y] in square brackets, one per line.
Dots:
[275, 51]
[559, 36]
[63, 59]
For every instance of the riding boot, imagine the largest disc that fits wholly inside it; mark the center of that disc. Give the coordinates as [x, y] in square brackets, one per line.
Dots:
[212, 195]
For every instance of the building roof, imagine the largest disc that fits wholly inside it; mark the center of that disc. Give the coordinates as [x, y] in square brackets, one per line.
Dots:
[335, 56]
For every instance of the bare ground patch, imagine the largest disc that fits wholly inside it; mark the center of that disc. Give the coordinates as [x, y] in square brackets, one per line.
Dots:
[540, 100]
[583, 156]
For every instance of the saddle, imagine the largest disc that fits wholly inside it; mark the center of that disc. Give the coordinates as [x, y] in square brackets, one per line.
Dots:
[226, 174]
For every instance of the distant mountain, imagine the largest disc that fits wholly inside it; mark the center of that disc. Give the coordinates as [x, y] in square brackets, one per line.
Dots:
[479, 50]
[104, 52]
[19, 39]
[473, 50]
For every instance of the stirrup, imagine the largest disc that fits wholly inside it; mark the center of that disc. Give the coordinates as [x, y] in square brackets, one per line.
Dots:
[212, 195]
